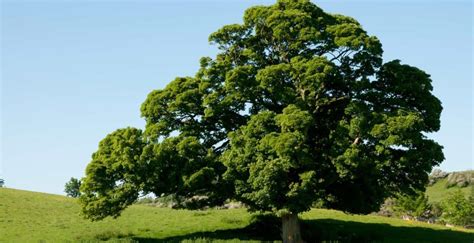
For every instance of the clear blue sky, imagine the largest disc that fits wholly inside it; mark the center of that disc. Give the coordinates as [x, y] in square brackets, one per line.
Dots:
[72, 72]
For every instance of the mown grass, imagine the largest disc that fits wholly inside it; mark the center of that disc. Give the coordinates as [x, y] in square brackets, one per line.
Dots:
[35, 217]
[438, 191]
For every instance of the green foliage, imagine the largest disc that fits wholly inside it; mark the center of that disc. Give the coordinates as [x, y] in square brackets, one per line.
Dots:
[436, 210]
[296, 108]
[114, 176]
[271, 146]
[458, 210]
[415, 205]
[71, 188]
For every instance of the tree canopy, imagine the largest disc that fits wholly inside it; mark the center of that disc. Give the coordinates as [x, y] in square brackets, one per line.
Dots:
[72, 187]
[296, 107]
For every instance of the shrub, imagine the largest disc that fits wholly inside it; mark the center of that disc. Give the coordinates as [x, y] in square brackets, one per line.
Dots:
[436, 210]
[457, 209]
[415, 205]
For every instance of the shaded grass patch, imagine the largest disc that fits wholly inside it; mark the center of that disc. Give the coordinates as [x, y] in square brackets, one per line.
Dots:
[38, 217]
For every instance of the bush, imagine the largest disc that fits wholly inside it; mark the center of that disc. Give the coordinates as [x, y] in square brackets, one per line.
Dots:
[436, 210]
[412, 205]
[457, 209]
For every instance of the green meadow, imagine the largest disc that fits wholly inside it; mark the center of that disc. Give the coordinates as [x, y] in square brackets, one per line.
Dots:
[38, 217]
[438, 191]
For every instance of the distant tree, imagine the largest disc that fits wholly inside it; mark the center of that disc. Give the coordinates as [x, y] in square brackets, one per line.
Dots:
[2, 182]
[457, 209]
[72, 187]
[297, 107]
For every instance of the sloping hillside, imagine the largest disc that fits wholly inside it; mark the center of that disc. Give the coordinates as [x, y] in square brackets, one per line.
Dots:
[31, 217]
[444, 186]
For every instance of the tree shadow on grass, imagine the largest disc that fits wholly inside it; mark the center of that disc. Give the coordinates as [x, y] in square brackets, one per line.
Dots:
[263, 227]
[326, 230]
[347, 231]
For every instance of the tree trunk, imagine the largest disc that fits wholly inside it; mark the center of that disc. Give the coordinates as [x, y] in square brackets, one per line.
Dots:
[291, 232]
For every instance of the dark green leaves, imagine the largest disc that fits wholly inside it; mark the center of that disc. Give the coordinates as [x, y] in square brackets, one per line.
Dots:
[296, 108]
[403, 86]
[113, 178]
[71, 188]
[270, 161]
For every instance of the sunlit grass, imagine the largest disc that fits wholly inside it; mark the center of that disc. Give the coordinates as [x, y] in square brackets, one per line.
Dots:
[438, 191]
[31, 217]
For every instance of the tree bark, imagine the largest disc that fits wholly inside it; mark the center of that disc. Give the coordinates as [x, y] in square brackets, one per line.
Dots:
[291, 232]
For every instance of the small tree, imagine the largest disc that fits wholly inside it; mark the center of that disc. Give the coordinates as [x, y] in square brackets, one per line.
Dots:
[414, 205]
[72, 187]
[296, 107]
[457, 209]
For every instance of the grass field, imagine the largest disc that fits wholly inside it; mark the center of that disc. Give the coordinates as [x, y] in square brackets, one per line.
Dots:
[438, 191]
[37, 217]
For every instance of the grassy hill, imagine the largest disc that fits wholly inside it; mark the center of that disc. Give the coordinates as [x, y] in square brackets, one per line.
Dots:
[37, 217]
[439, 190]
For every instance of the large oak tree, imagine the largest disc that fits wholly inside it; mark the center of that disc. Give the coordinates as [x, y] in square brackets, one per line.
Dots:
[297, 107]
